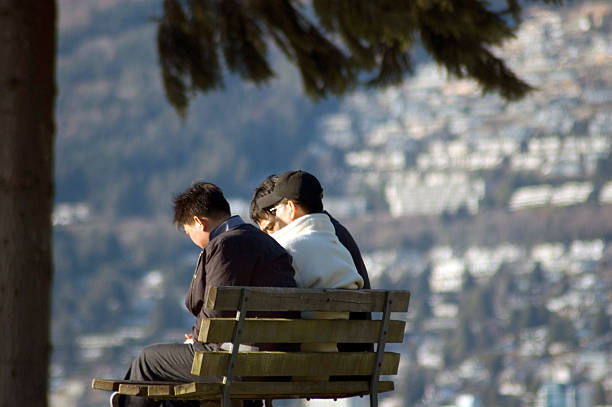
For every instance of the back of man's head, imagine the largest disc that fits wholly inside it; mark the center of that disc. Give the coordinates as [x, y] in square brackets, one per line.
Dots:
[298, 186]
[202, 199]
[256, 212]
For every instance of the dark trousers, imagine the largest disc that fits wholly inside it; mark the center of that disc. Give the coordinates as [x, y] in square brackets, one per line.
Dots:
[163, 362]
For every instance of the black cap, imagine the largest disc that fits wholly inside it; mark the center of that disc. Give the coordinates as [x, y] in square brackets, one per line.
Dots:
[298, 186]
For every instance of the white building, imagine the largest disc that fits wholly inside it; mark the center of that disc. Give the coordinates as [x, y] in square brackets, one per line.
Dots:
[411, 193]
[66, 214]
[530, 197]
[571, 193]
[605, 194]
[447, 275]
[430, 353]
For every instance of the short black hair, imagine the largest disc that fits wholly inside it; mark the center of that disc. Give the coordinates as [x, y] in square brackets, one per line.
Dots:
[256, 212]
[202, 199]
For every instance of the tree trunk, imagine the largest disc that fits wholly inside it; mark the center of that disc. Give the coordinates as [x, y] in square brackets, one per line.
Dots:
[27, 94]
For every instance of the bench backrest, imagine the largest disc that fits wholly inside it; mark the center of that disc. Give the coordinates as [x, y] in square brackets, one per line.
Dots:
[306, 299]
[276, 330]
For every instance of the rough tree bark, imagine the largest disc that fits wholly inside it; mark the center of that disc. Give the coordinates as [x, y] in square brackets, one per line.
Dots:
[27, 94]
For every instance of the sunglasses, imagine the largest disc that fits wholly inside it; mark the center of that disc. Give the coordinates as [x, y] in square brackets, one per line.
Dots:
[276, 208]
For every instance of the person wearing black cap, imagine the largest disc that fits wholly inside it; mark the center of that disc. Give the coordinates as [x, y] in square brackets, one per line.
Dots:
[320, 260]
[269, 223]
[304, 196]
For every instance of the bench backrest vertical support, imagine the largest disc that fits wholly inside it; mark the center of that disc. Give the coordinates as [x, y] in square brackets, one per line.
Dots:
[380, 350]
[240, 315]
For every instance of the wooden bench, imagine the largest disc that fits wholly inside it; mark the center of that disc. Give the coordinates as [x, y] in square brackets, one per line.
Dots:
[287, 375]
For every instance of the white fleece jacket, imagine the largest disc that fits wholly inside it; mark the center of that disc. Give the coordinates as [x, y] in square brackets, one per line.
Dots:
[319, 259]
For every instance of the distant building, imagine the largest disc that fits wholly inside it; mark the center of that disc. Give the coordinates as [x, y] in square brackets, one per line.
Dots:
[447, 275]
[605, 194]
[66, 213]
[337, 130]
[530, 197]
[412, 193]
[570, 193]
[430, 353]
[553, 394]
[468, 400]
[483, 262]
[345, 207]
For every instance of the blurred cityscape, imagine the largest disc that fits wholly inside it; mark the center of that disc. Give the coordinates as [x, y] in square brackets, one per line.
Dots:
[498, 322]
[504, 324]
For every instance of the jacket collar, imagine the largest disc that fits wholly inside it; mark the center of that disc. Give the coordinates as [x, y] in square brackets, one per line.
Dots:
[228, 224]
[313, 222]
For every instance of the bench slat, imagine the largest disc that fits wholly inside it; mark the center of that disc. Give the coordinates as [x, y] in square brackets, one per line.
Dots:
[103, 384]
[261, 390]
[113, 385]
[161, 390]
[270, 330]
[306, 299]
[132, 389]
[242, 390]
[293, 363]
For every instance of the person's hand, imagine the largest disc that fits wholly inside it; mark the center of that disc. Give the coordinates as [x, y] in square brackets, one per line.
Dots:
[188, 339]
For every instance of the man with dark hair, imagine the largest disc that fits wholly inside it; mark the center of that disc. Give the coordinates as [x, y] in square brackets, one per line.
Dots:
[295, 199]
[263, 218]
[234, 253]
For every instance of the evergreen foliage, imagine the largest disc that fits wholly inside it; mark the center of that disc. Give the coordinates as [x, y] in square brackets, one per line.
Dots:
[599, 395]
[561, 329]
[601, 322]
[335, 44]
